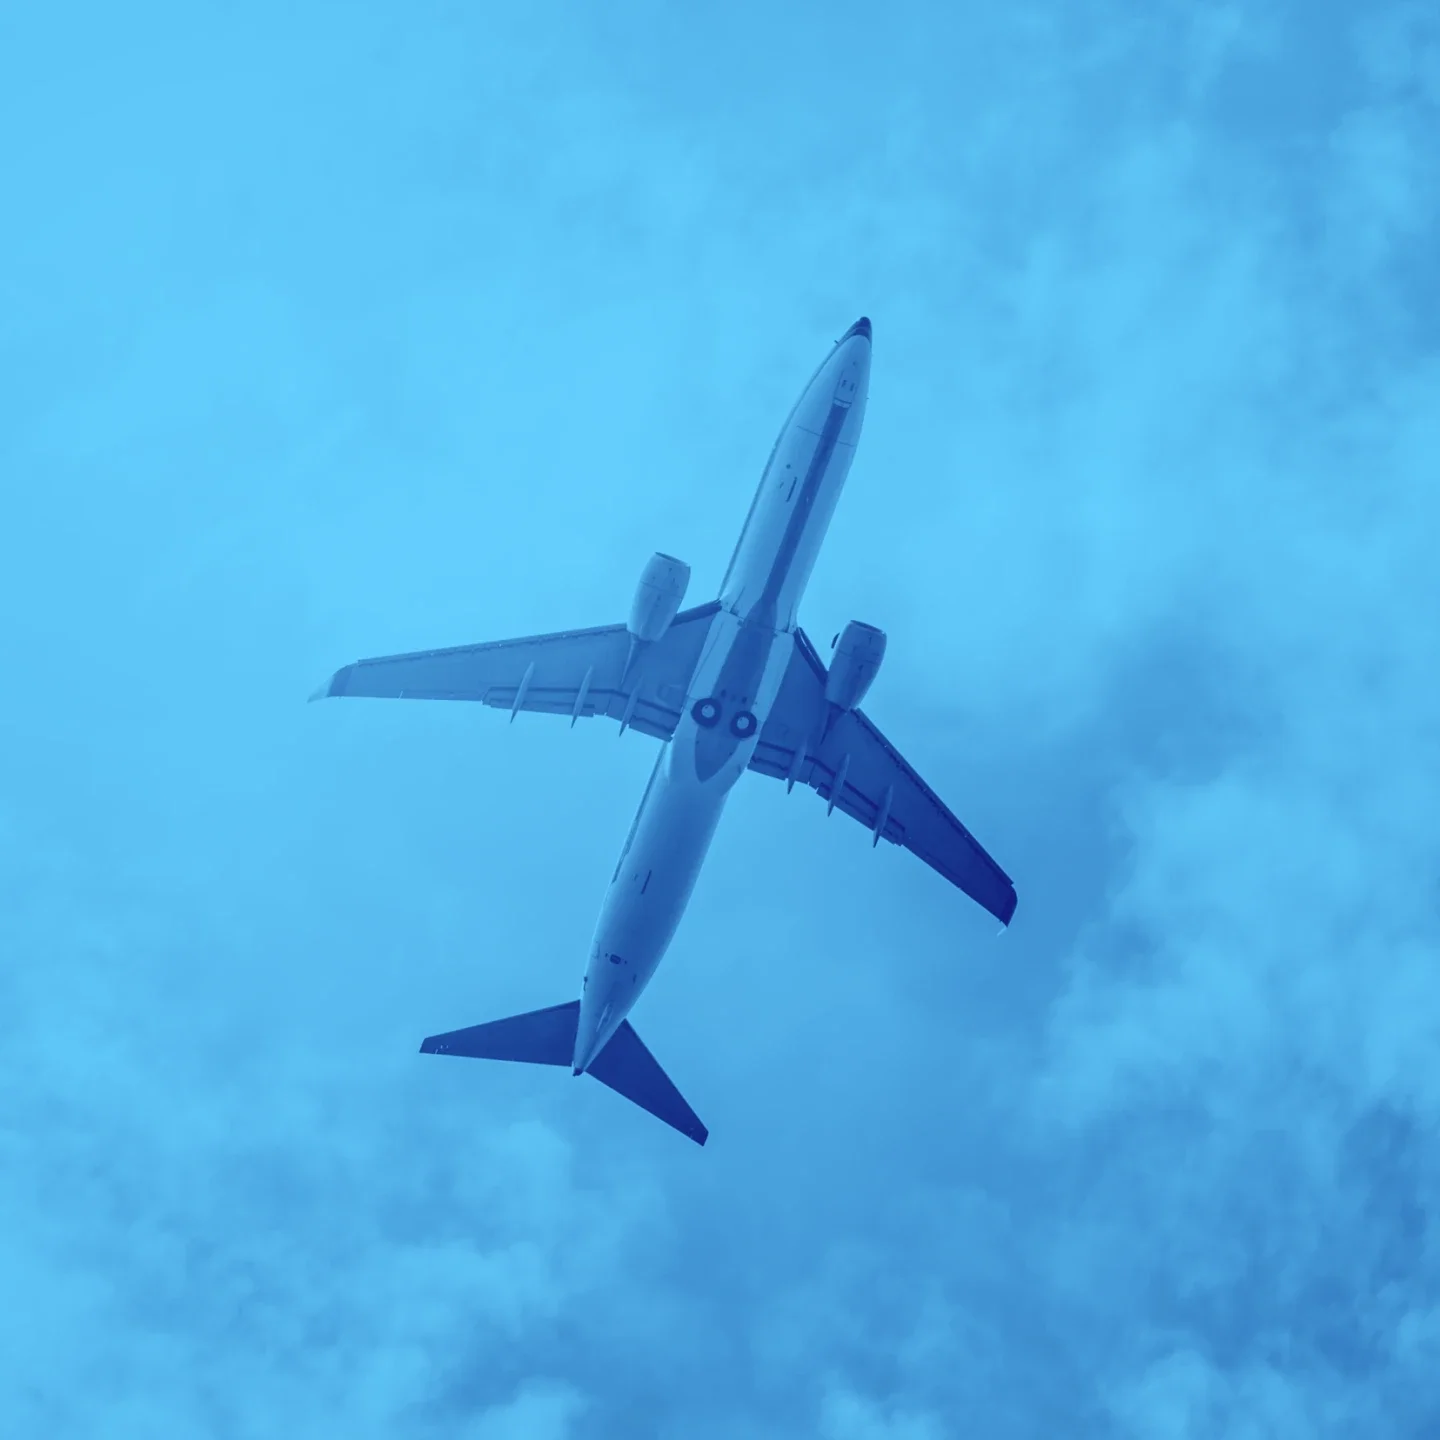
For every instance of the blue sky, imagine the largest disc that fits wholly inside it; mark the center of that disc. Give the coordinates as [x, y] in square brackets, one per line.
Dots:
[328, 330]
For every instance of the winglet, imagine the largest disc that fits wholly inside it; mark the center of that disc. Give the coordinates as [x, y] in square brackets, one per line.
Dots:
[335, 685]
[1006, 913]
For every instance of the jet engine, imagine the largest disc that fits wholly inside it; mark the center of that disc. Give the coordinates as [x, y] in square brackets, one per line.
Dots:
[859, 649]
[657, 597]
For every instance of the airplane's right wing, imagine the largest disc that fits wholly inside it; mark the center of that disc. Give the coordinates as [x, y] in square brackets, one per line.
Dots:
[858, 771]
[572, 672]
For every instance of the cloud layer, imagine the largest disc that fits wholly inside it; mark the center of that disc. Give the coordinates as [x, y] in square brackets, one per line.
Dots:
[371, 329]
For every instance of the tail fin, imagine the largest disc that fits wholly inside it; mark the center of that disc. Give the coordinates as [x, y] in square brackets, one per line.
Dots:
[547, 1037]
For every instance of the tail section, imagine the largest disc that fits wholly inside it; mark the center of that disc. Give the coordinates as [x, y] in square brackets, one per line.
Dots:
[629, 1069]
[543, 1037]
[547, 1037]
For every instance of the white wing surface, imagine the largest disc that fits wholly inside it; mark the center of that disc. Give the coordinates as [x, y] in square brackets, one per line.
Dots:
[578, 673]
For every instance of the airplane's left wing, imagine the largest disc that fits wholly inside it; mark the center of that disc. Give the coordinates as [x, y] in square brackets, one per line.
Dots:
[572, 672]
[858, 771]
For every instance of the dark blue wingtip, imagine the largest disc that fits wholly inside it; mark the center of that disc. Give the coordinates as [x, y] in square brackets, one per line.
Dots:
[335, 685]
[860, 327]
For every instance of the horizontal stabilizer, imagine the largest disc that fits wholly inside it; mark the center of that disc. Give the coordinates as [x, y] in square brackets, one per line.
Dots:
[629, 1069]
[541, 1037]
[547, 1037]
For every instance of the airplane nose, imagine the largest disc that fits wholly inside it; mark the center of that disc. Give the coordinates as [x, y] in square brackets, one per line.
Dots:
[861, 327]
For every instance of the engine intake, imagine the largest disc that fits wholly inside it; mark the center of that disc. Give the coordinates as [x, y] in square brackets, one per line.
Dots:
[657, 597]
[858, 653]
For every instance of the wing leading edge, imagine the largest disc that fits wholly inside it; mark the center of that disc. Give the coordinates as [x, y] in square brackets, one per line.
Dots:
[579, 673]
[858, 771]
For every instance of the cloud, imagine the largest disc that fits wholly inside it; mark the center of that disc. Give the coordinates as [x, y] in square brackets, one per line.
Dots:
[847, 1416]
[534, 1415]
[1183, 1398]
[1247, 1031]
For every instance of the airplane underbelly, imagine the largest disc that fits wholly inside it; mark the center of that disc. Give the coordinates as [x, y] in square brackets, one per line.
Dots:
[732, 692]
[650, 888]
[797, 495]
[796, 563]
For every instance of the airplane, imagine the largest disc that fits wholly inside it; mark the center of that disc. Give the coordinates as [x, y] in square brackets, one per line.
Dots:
[728, 686]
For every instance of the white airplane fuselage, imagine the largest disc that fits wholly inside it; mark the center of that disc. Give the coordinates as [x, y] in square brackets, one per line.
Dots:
[743, 660]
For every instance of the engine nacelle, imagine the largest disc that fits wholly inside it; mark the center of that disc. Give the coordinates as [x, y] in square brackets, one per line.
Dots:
[657, 597]
[858, 653]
